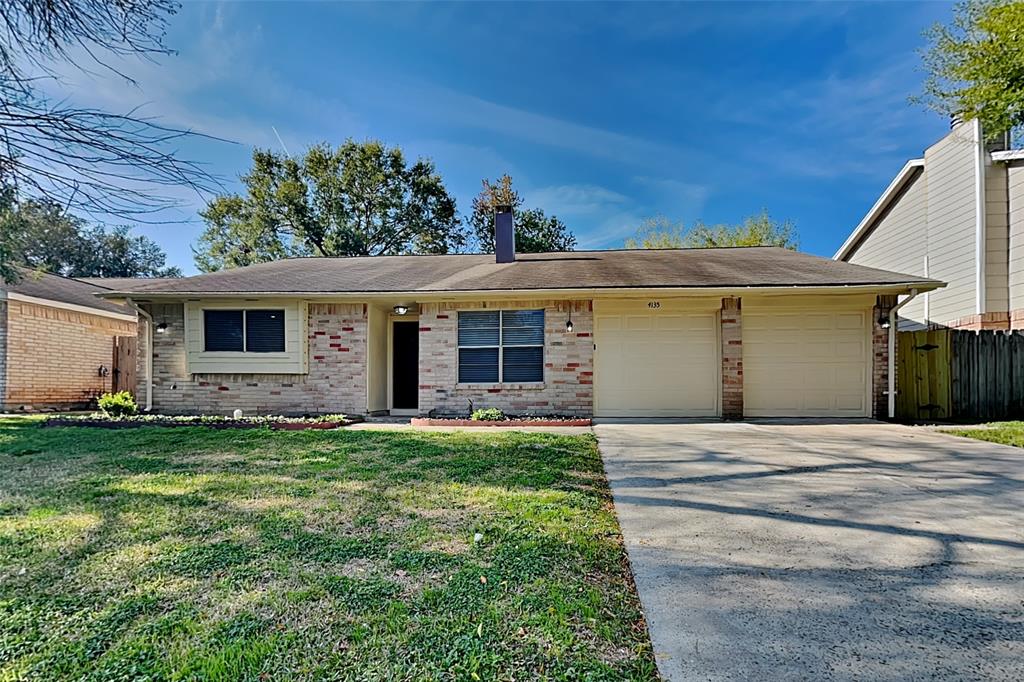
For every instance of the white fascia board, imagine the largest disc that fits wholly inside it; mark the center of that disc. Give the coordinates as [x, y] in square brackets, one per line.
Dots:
[1009, 155]
[883, 202]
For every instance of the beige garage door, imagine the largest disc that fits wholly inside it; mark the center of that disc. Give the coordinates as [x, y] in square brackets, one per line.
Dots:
[655, 359]
[812, 362]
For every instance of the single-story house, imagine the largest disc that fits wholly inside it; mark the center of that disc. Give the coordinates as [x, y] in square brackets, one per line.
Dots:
[728, 333]
[955, 214]
[61, 346]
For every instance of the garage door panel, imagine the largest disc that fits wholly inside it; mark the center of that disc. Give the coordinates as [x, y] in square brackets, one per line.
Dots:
[806, 363]
[656, 363]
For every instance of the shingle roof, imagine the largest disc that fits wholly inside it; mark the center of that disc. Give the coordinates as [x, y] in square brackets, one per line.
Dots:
[63, 290]
[123, 283]
[668, 268]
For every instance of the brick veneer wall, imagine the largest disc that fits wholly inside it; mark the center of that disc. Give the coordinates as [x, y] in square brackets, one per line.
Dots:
[568, 387]
[336, 381]
[732, 359]
[880, 358]
[985, 321]
[54, 355]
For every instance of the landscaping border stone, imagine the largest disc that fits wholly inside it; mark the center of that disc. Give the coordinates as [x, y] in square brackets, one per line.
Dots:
[434, 421]
[223, 424]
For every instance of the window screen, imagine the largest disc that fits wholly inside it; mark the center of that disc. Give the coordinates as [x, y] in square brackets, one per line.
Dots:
[223, 330]
[264, 331]
[501, 346]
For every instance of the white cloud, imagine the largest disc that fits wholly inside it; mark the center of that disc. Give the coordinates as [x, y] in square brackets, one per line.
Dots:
[574, 200]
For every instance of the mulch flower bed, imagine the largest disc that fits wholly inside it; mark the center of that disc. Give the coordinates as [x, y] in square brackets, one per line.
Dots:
[210, 422]
[511, 421]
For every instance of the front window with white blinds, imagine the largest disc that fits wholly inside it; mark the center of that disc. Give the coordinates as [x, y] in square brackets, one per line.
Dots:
[501, 346]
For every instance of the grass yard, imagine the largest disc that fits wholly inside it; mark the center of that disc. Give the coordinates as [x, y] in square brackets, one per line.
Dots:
[195, 554]
[1007, 433]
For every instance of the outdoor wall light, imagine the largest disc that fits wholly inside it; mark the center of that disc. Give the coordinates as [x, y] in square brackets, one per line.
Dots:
[401, 309]
[883, 320]
[161, 328]
[568, 324]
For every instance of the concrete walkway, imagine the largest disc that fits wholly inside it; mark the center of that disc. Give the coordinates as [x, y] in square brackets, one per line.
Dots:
[768, 551]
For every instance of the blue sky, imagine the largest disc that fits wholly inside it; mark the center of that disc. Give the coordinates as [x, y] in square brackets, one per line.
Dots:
[603, 114]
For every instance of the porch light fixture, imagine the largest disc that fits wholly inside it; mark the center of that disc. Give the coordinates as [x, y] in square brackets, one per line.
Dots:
[568, 324]
[401, 309]
[883, 320]
[161, 328]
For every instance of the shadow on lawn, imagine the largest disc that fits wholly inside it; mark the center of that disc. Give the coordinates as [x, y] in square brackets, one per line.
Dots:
[315, 551]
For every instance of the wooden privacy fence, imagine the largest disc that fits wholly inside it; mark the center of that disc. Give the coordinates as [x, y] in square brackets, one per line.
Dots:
[958, 374]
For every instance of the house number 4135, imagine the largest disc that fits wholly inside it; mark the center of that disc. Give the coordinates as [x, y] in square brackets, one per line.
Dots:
[654, 304]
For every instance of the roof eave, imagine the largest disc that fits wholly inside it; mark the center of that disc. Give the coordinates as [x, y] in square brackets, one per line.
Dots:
[895, 187]
[593, 292]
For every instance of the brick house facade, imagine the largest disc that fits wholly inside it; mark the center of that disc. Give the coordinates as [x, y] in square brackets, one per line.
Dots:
[335, 381]
[568, 386]
[56, 357]
[337, 343]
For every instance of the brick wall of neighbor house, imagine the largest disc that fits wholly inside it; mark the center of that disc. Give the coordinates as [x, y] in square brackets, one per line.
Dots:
[336, 382]
[568, 387]
[54, 355]
[3, 354]
[880, 355]
[732, 359]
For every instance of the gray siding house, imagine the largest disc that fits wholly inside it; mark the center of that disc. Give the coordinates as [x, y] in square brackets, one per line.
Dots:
[957, 215]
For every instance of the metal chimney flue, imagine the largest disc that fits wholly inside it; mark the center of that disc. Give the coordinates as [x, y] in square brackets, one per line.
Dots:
[504, 235]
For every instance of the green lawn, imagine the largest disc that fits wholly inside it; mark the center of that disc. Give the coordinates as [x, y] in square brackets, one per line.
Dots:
[1007, 433]
[195, 554]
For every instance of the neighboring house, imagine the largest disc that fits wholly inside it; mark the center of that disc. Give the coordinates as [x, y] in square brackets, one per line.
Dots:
[651, 333]
[956, 215]
[58, 343]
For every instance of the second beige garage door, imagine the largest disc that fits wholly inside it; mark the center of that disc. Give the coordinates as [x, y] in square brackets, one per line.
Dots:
[806, 362]
[656, 358]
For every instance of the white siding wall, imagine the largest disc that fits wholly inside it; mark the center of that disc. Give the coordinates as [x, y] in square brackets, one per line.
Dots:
[996, 239]
[1015, 190]
[899, 243]
[950, 176]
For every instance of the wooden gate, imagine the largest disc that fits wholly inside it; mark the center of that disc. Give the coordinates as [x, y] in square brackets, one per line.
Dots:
[123, 364]
[923, 383]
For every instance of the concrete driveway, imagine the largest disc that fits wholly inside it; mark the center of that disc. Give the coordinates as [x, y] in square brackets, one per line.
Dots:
[866, 551]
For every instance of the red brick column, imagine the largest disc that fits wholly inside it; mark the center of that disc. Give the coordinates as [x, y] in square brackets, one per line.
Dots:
[732, 359]
[880, 356]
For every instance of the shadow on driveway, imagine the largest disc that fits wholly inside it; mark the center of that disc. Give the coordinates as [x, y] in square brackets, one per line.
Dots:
[798, 550]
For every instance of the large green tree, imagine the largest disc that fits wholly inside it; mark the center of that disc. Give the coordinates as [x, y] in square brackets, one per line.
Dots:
[755, 230]
[535, 231]
[41, 235]
[360, 199]
[975, 65]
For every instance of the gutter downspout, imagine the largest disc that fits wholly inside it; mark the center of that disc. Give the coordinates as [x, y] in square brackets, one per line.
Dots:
[149, 351]
[980, 209]
[892, 351]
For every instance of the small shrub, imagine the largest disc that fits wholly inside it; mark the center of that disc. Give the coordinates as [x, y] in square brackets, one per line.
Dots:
[490, 414]
[120, 404]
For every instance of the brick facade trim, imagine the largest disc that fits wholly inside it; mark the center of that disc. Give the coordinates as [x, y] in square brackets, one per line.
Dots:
[732, 358]
[880, 357]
